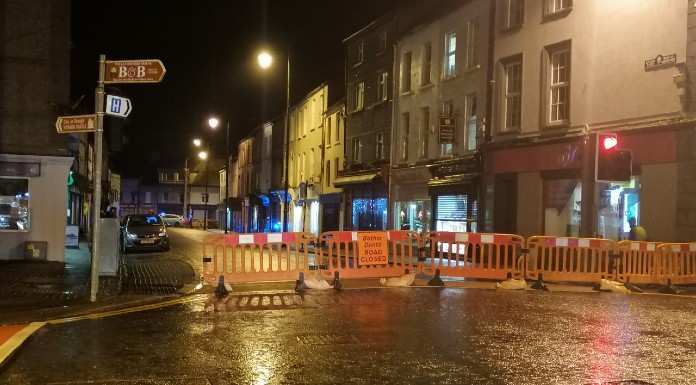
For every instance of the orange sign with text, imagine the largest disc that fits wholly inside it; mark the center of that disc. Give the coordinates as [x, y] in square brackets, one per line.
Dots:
[373, 248]
[134, 71]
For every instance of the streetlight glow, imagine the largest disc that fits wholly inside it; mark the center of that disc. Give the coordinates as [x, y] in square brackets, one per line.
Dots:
[213, 123]
[197, 142]
[203, 155]
[265, 60]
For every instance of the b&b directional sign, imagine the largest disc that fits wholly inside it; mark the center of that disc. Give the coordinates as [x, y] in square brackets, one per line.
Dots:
[117, 106]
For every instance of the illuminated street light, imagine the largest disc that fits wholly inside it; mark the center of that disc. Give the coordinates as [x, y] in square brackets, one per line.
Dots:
[213, 123]
[265, 61]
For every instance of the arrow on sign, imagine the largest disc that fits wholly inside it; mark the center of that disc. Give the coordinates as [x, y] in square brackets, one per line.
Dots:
[117, 106]
[77, 123]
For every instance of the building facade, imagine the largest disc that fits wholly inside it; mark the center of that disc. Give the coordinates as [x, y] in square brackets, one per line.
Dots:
[566, 71]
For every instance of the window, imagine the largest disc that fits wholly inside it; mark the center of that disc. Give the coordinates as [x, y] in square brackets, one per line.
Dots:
[383, 40]
[513, 95]
[424, 131]
[382, 86]
[557, 85]
[471, 122]
[303, 166]
[336, 166]
[311, 164]
[14, 204]
[406, 73]
[447, 110]
[425, 63]
[514, 13]
[472, 38]
[328, 131]
[560, 75]
[359, 96]
[379, 146]
[339, 119]
[404, 135]
[557, 6]
[450, 54]
[357, 150]
[360, 53]
[328, 172]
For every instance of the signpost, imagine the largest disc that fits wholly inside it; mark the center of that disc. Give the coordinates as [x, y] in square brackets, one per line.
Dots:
[134, 71]
[77, 123]
[118, 106]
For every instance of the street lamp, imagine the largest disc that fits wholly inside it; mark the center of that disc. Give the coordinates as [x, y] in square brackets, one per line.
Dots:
[265, 61]
[213, 123]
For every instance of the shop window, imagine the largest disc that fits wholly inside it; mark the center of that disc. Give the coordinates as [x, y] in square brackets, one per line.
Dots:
[369, 214]
[562, 205]
[456, 213]
[413, 215]
[14, 204]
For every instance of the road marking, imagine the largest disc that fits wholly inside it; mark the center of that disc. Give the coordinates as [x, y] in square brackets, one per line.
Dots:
[105, 314]
[13, 336]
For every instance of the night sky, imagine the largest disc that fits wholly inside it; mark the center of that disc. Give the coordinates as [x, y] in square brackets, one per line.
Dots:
[209, 49]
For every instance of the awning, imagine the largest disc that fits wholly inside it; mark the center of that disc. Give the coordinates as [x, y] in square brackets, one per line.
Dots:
[355, 179]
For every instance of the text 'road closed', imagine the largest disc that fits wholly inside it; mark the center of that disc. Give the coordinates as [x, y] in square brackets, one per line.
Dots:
[373, 248]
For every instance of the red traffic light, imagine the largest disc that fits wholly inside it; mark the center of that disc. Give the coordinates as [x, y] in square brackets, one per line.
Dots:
[608, 142]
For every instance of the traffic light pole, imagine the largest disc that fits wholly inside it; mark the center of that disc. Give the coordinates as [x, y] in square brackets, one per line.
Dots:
[588, 207]
[96, 202]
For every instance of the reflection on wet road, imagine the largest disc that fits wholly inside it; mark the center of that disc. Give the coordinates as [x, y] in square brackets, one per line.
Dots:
[375, 336]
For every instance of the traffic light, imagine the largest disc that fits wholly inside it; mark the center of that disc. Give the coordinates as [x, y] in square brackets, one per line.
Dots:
[612, 164]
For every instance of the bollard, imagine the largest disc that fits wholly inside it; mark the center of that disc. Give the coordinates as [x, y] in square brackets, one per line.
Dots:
[336, 282]
[300, 284]
[436, 280]
[221, 289]
[539, 284]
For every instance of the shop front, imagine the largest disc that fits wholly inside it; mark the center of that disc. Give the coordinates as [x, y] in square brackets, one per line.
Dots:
[411, 204]
[454, 190]
[549, 190]
[365, 201]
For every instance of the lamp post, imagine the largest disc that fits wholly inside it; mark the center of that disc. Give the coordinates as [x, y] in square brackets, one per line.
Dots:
[186, 177]
[265, 61]
[213, 123]
[204, 155]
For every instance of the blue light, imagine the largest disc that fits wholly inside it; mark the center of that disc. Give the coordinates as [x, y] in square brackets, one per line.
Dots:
[276, 226]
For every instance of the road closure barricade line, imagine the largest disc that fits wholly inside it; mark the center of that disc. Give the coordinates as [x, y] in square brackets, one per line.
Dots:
[640, 263]
[473, 255]
[257, 257]
[342, 252]
[570, 259]
[678, 262]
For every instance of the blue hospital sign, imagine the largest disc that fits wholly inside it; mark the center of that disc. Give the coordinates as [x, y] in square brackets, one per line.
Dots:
[117, 106]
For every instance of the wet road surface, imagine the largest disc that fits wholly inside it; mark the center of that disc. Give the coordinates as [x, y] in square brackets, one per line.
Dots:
[374, 336]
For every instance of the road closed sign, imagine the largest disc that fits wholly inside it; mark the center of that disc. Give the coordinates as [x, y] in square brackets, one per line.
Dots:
[373, 248]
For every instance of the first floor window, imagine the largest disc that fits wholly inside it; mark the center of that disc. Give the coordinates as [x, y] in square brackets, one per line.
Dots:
[379, 146]
[382, 87]
[405, 122]
[359, 96]
[14, 204]
[559, 86]
[357, 150]
[471, 122]
[424, 130]
[513, 96]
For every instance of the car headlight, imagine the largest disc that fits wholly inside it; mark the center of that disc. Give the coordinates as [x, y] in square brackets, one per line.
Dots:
[131, 236]
[163, 234]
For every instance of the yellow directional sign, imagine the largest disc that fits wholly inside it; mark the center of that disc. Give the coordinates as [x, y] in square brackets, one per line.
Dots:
[77, 123]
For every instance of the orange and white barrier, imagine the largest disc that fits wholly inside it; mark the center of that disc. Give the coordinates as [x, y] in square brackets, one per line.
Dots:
[679, 262]
[256, 257]
[343, 253]
[640, 263]
[473, 255]
[570, 259]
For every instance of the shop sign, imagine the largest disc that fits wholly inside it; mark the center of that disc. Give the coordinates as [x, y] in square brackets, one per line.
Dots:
[373, 248]
[448, 129]
[660, 60]
[20, 169]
